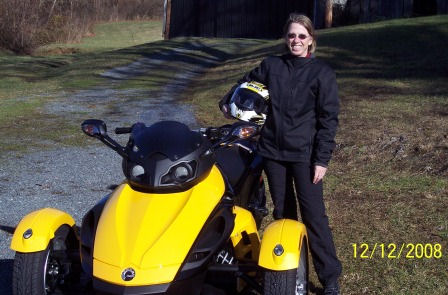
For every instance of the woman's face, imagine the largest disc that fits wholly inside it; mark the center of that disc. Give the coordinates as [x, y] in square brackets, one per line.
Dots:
[298, 39]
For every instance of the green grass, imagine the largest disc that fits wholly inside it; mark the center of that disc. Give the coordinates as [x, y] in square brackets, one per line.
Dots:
[111, 36]
[114, 44]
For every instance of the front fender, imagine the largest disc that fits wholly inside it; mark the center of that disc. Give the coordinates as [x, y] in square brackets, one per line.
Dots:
[287, 233]
[43, 223]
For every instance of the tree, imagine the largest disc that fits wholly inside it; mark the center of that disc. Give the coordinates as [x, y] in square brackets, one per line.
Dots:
[328, 13]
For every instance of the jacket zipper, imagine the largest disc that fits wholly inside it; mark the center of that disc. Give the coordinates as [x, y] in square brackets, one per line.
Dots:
[285, 104]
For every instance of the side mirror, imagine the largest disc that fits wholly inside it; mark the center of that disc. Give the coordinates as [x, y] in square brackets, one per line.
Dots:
[94, 128]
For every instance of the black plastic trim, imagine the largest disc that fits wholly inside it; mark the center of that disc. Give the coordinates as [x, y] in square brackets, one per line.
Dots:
[173, 188]
[222, 211]
[102, 286]
[88, 233]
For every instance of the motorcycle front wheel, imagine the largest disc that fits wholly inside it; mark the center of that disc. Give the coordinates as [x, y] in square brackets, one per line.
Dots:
[289, 282]
[42, 272]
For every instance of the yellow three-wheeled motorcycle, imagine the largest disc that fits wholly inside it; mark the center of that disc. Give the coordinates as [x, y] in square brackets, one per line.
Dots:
[185, 221]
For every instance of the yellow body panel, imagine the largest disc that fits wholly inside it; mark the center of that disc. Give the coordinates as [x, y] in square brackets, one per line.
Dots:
[43, 224]
[151, 233]
[288, 233]
[244, 222]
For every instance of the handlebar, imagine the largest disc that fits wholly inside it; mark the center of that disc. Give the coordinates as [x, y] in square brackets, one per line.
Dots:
[217, 133]
[219, 136]
[123, 130]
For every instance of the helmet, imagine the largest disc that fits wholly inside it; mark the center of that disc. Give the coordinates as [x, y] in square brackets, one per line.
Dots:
[249, 102]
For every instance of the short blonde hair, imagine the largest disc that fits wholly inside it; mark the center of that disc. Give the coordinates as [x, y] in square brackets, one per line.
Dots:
[304, 21]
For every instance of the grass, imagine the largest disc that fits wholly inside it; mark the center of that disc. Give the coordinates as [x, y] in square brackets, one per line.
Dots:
[113, 36]
[28, 82]
[387, 182]
[73, 66]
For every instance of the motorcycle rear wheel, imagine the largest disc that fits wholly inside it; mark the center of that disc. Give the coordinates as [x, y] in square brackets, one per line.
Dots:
[289, 282]
[42, 272]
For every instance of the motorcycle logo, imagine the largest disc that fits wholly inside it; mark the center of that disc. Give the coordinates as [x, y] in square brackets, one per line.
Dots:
[128, 274]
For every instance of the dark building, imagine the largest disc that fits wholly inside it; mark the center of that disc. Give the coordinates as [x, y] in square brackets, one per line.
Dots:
[361, 11]
[262, 19]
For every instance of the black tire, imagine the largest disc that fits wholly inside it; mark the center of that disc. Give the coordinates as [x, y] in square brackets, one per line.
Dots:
[289, 282]
[43, 272]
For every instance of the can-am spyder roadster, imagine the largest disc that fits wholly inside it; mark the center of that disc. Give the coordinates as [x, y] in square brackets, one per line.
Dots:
[183, 222]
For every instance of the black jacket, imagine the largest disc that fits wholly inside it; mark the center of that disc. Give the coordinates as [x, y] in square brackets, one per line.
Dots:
[304, 105]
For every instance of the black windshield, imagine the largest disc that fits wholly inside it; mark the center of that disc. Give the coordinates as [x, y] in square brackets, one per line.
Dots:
[170, 138]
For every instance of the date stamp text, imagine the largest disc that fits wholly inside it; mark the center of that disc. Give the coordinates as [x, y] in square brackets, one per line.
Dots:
[397, 251]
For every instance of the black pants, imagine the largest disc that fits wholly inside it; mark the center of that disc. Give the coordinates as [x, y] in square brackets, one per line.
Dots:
[312, 209]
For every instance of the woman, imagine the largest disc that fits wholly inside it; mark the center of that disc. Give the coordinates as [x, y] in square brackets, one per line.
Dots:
[297, 138]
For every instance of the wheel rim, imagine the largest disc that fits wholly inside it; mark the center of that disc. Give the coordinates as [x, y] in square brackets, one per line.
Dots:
[51, 272]
[300, 287]
[302, 271]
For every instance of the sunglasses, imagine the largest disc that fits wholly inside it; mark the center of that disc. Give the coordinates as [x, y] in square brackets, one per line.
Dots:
[300, 36]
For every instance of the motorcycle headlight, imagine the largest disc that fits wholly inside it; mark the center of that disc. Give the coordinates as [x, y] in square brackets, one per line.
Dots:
[180, 173]
[137, 171]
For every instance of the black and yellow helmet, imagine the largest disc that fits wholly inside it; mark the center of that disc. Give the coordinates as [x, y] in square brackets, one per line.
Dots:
[249, 102]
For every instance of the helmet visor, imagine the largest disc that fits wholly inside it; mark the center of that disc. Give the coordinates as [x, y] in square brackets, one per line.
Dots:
[248, 100]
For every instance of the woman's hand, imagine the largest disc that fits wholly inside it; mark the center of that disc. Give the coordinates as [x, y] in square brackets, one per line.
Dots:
[319, 173]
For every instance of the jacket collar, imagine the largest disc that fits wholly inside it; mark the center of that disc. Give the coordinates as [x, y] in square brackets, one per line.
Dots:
[297, 61]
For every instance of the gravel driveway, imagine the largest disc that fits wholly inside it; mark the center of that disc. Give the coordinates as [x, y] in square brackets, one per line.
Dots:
[73, 179]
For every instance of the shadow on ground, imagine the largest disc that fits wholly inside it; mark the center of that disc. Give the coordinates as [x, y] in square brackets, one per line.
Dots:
[6, 266]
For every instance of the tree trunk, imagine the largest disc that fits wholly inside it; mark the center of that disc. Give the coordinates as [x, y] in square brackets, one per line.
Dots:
[167, 19]
[328, 13]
